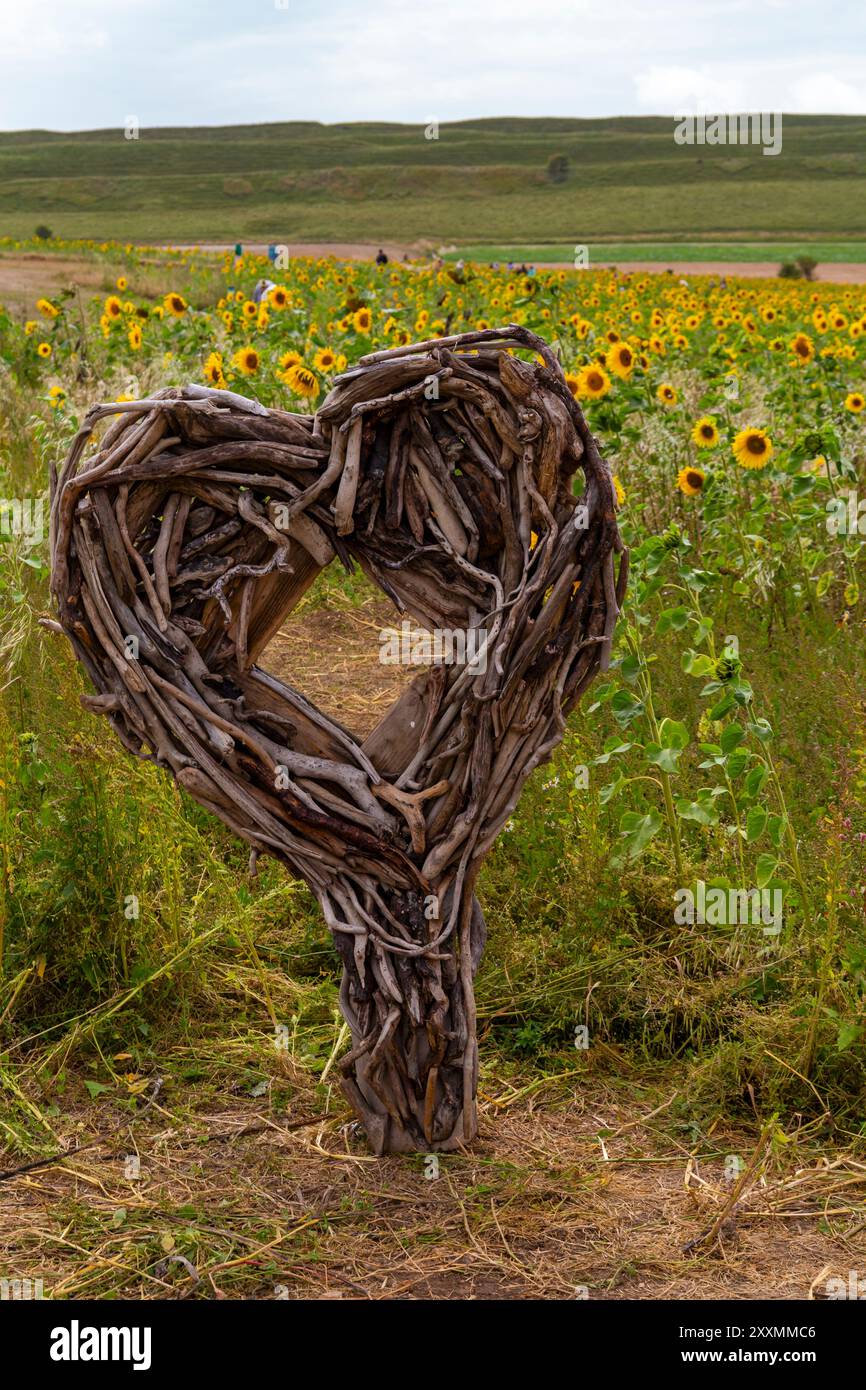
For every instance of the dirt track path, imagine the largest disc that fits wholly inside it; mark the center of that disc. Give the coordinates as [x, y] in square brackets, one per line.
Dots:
[836, 272]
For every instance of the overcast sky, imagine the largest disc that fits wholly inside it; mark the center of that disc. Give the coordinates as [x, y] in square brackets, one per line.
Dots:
[80, 64]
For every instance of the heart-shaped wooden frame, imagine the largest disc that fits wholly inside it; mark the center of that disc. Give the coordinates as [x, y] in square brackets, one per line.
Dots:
[444, 468]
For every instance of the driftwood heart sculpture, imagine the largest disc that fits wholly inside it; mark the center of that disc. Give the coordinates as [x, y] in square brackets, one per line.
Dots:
[445, 470]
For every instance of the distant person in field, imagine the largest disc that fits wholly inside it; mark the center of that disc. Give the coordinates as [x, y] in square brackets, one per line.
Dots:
[381, 258]
[239, 251]
[262, 289]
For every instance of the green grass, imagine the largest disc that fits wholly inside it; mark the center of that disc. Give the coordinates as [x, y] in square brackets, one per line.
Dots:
[479, 181]
[840, 252]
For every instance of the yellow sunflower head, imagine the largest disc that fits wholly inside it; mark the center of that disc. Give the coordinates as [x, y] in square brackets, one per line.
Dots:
[246, 360]
[691, 481]
[213, 370]
[855, 402]
[593, 382]
[705, 433]
[752, 448]
[666, 394]
[621, 360]
[302, 381]
[325, 360]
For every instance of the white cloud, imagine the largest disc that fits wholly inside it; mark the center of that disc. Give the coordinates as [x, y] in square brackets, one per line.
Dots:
[774, 84]
[822, 91]
[688, 91]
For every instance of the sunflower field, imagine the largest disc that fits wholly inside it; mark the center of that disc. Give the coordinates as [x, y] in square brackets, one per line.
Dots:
[725, 749]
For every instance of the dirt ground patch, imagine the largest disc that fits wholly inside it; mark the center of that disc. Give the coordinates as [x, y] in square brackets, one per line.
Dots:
[853, 272]
[833, 272]
[571, 1191]
[342, 250]
[28, 276]
[332, 657]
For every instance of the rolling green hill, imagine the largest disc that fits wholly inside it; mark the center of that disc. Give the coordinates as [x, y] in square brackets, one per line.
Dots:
[480, 181]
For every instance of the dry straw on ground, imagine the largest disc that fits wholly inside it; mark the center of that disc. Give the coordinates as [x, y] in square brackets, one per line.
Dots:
[191, 529]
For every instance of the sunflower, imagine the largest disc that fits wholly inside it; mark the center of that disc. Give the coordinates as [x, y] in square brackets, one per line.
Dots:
[44, 349]
[855, 402]
[666, 394]
[752, 448]
[246, 360]
[621, 360]
[362, 320]
[56, 397]
[572, 381]
[290, 359]
[134, 336]
[619, 490]
[213, 370]
[691, 481]
[802, 347]
[175, 303]
[325, 360]
[47, 309]
[301, 381]
[705, 433]
[250, 310]
[113, 307]
[120, 283]
[279, 297]
[593, 382]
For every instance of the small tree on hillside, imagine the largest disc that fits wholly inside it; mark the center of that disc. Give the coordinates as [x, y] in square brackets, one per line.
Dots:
[43, 233]
[557, 168]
